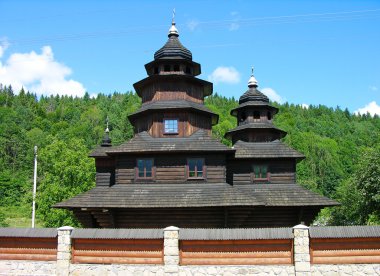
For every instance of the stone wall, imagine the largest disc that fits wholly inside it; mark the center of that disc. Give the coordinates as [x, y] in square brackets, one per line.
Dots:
[10, 267]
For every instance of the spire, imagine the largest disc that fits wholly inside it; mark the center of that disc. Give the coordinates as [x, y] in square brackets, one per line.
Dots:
[106, 142]
[252, 82]
[173, 30]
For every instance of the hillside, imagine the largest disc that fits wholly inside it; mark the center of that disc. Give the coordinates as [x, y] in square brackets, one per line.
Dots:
[342, 152]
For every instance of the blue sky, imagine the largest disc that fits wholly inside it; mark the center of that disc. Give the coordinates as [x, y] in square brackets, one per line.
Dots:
[303, 52]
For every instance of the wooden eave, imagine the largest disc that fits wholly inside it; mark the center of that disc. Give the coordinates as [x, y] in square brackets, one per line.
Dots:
[139, 86]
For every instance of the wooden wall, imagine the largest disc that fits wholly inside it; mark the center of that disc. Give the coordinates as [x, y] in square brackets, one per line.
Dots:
[31, 249]
[188, 123]
[117, 251]
[173, 90]
[170, 168]
[239, 172]
[345, 251]
[236, 252]
[200, 217]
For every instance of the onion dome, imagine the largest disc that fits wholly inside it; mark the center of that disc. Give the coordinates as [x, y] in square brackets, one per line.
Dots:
[173, 49]
[253, 94]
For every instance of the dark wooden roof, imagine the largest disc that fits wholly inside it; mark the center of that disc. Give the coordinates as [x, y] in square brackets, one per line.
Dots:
[29, 232]
[285, 195]
[275, 149]
[258, 125]
[173, 48]
[235, 234]
[345, 232]
[200, 141]
[253, 95]
[247, 105]
[172, 77]
[134, 234]
[99, 151]
[156, 195]
[173, 105]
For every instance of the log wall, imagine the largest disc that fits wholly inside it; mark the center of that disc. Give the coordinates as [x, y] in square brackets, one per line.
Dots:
[117, 251]
[345, 251]
[31, 249]
[236, 252]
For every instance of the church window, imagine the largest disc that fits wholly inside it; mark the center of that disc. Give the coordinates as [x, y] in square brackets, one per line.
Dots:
[144, 168]
[156, 70]
[269, 115]
[256, 115]
[167, 68]
[170, 126]
[260, 173]
[188, 70]
[176, 67]
[195, 167]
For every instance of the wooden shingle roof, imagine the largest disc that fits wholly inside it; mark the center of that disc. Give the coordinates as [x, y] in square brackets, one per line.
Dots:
[173, 105]
[143, 142]
[275, 149]
[258, 125]
[156, 195]
[286, 195]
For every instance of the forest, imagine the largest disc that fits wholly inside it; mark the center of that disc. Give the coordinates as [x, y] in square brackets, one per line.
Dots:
[342, 152]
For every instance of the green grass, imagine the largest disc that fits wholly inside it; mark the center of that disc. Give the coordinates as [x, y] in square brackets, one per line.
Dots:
[19, 216]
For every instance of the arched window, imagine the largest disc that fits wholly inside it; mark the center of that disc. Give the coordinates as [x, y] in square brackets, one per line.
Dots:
[256, 116]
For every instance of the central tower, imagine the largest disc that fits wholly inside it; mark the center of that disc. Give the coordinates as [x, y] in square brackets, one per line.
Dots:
[172, 96]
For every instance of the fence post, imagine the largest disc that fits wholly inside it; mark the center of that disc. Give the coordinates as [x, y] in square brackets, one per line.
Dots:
[64, 250]
[171, 249]
[301, 250]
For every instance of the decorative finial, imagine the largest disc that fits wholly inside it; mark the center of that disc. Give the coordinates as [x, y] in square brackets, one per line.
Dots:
[252, 82]
[107, 129]
[173, 30]
[106, 142]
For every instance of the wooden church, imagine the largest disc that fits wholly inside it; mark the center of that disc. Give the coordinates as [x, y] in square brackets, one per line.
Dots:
[174, 173]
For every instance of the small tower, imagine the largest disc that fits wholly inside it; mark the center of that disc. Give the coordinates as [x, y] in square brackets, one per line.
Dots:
[106, 141]
[254, 117]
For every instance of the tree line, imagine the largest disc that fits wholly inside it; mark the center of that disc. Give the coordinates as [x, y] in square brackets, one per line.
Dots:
[342, 151]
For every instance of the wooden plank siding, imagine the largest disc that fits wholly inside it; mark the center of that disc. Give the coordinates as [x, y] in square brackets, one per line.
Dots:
[171, 168]
[31, 249]
[280, 171]
[174, 90]
[345, 250]
[117, 251]
[236, 252]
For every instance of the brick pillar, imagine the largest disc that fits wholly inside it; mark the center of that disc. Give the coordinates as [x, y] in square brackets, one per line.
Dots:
[171, 249]
[301, 250]
[64, 250]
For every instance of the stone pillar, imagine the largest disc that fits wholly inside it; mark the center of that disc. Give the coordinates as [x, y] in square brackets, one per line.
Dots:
[171, 249]
[301, 250]
[64, 250]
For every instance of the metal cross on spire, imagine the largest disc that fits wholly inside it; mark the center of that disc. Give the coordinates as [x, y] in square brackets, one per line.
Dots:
[173, 15]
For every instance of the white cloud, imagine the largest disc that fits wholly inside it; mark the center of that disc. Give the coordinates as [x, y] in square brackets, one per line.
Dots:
[4, 44]
[225, 75]
[192, 24]
[234, 26]
[373, 88]
[372, 108]
[272, 95]
[39, 73]
[305, 106]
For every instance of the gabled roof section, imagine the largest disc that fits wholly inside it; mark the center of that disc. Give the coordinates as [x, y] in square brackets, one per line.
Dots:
[345, 232]
[158, 195]
[275, 149]
[235, 234]
[139, 86]
[200, 141]
[285, 195]
[172, 105]
[259, 125]
[99, 151]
